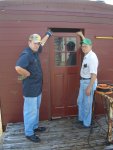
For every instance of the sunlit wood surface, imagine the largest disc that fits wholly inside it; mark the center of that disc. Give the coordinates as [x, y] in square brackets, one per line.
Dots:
[61, 134]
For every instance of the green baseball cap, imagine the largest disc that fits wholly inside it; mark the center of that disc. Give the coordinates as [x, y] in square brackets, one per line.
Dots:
[86, 41]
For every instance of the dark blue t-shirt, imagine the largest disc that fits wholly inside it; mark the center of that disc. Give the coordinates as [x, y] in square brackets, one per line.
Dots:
[32, 85]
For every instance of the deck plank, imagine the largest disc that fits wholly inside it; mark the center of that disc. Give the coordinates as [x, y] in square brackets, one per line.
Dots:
[61, 134]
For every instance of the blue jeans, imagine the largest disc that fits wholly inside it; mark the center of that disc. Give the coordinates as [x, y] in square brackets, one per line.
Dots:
[85, 102]
[31, 114]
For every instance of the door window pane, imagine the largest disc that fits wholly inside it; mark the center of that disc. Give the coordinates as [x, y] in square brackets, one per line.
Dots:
[59, 44]
[60, 59]
[71, 59]
[65, 51]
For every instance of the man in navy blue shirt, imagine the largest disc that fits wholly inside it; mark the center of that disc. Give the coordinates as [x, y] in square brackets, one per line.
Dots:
[28, 66]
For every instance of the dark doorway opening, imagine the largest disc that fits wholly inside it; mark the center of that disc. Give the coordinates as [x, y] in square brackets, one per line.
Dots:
[70, 30]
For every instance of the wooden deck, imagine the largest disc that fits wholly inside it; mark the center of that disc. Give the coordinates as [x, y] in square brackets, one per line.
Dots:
[61, 134]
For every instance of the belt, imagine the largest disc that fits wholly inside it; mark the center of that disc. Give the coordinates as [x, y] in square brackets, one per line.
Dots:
[84, 78]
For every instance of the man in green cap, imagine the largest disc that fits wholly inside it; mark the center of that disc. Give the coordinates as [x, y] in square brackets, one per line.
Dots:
[88, 82]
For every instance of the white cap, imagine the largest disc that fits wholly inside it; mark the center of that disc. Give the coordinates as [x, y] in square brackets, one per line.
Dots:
[36, 38]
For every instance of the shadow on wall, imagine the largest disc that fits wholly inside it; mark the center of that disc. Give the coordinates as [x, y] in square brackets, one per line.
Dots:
[0, 124]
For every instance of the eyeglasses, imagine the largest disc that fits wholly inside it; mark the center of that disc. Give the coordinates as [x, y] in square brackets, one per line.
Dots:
[84, 46]
[37, 44]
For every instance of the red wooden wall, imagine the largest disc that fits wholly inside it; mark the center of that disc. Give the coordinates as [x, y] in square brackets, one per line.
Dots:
[18, 22]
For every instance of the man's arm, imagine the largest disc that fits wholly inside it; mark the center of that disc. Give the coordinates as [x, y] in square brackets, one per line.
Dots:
[45, 38]
[23, 72]
[81, 35]
[88, 89]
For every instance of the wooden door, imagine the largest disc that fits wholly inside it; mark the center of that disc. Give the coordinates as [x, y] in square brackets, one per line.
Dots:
[65, 74]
